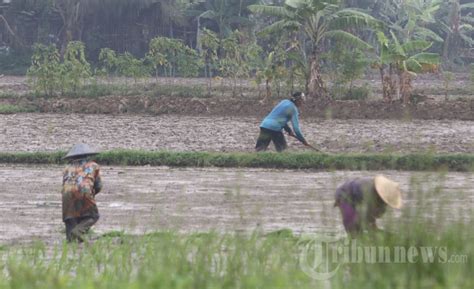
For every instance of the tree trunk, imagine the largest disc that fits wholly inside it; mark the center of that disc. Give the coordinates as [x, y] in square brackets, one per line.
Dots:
[450, 45]
[405, 86]
[198, 36]
[268, 89]
[387, 85]
[10, 31]
[316, 88]
[69, 12]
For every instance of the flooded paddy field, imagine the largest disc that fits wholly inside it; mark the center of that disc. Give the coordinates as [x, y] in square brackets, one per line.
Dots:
[145, 199]
[52, 132]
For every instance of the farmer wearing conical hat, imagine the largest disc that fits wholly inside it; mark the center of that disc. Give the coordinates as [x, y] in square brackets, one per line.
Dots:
[363, 200]
[81, 182]
[277, 120]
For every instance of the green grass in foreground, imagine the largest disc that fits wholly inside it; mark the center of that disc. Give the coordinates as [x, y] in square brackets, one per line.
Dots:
[277, 260]
[432, 248]
[414, 162]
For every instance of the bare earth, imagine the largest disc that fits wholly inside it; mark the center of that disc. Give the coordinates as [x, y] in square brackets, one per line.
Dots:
[52, 132]
[144, 199]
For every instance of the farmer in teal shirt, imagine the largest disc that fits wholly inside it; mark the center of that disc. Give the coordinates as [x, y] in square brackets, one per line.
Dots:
[271, 127]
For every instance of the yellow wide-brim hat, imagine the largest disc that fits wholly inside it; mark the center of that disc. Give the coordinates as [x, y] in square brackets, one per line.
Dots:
[389, 191]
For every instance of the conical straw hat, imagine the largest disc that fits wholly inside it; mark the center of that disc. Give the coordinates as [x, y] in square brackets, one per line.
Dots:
[389, 191]
[80, 149]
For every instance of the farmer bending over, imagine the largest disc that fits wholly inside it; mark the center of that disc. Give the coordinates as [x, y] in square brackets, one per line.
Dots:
[363, 200]
[271, 127]
[81, 182]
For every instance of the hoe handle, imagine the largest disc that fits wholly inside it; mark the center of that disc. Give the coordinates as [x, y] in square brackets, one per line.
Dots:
[307, 144]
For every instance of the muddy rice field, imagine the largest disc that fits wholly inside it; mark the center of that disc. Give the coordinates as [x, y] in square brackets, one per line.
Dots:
[52, 132]
[144, 199]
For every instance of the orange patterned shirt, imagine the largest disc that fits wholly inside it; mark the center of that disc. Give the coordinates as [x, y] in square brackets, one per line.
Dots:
[81, 182]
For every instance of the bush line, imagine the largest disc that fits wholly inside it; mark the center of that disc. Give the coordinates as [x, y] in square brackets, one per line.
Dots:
[319, 161]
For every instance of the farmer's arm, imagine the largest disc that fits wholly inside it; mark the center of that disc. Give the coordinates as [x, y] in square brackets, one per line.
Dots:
[288, 129]
[97, 181]
[65, 175]
[372, 225]
[296, 127]
[350, 217]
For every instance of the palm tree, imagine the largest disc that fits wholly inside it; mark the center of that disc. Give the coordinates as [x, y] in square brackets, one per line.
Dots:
[319, 21]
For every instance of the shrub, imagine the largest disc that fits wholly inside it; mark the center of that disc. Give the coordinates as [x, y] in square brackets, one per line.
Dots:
[76, 69]
[45, 70]
[49, 75]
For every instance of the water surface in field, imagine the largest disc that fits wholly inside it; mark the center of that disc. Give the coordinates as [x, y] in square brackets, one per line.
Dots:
[143, 199]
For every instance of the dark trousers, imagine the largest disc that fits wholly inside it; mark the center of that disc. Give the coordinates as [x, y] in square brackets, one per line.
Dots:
[77, 227]
[266, 136]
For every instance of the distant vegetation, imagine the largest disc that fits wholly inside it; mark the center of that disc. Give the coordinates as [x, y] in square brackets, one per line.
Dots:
[298, 44]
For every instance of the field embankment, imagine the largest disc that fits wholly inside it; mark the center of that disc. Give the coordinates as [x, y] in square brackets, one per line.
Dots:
[431, 100]
[315, 161]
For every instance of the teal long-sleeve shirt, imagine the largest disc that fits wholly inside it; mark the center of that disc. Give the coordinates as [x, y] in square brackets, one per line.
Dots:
[279, 117]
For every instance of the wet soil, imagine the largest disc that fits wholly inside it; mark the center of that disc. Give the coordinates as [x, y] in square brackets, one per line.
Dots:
[144, 199]
[430, 102]
[52, 132]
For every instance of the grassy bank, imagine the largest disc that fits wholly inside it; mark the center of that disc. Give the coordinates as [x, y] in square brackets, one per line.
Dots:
[276, 260]
[10, 109]
[319, 161]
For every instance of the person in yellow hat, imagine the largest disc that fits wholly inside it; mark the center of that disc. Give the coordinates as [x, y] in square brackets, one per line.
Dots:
[363, 200]
[81, 183]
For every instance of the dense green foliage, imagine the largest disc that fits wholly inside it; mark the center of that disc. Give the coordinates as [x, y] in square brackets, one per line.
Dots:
[414, 162]
[217, 38]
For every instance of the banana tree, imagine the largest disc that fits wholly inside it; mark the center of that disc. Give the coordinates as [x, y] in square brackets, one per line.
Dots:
[318, 21]
[383, 62]
[407, 59]
[271, 69]
[414, 20]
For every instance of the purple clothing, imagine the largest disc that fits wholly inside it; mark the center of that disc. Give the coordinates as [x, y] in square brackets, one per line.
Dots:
[359, 204]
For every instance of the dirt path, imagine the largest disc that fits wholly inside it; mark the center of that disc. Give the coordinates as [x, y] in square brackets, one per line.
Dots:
[51, 132]
[141, 199]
